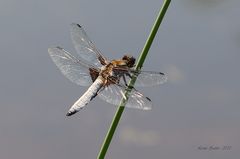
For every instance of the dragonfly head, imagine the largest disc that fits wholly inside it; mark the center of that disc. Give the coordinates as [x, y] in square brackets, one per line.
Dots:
[130, 60]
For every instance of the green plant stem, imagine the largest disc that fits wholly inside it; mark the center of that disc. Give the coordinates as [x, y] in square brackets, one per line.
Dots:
[138, 66]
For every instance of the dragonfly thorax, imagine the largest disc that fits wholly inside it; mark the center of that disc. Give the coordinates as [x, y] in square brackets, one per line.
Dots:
[106, 70]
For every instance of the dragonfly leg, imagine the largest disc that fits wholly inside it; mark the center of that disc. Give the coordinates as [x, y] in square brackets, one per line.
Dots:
[128, 74]
[124, 79]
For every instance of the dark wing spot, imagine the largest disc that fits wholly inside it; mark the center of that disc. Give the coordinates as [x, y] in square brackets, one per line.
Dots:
[79, 25]
[93, 73]
[148, 99]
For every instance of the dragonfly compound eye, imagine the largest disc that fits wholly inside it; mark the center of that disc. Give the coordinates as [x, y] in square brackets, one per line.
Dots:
[130, 60]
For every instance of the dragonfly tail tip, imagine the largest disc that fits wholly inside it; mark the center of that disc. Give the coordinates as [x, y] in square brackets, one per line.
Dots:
[71, 113]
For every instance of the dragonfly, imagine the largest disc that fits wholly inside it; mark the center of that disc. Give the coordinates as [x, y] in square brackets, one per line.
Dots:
[107, 79]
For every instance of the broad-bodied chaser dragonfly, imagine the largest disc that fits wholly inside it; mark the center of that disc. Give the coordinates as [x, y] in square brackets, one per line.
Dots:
[107, 79]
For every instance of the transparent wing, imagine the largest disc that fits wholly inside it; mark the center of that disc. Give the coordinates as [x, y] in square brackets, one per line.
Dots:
[114, 93]
[144, 78]
[75, 70]
[148, 78]
[84, 46]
